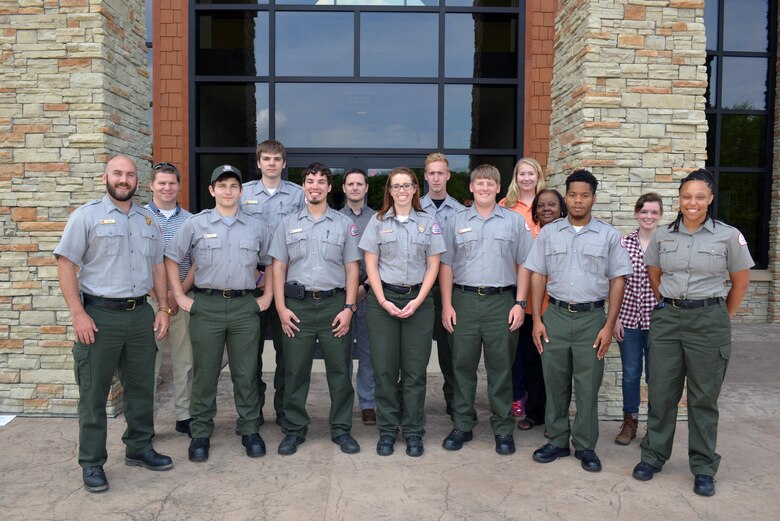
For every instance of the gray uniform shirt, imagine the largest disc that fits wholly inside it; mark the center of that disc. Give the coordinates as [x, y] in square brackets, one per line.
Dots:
[361, 220]
[579, 265]
[258, 202]
[484, 252]
[443, 213]
[403, 248]
[224, 256]
[316, 251]
[114, 250]
[696, 265]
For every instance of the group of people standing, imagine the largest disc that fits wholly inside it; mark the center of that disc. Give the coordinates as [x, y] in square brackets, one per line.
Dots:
[534, 284]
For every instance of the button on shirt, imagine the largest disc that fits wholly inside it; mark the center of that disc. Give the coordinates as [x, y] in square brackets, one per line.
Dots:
[696, 265]
[579, 265]
[225, 256]
[484, 252]
[114, 250]
[169, 228]
[257, 201]
[316, 251]
[403, 247]
[443, 213]
[361, 220]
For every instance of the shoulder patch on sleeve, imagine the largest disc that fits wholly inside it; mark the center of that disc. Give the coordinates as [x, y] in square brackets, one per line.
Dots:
[742, 241]
[436, 229]
[526, 226]
[353, 230]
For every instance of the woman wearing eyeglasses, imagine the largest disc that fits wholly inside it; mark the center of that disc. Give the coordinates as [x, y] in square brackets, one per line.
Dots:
[402, 245]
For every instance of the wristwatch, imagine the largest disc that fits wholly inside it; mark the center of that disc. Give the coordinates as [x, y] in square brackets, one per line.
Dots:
[522, 303]
[167, 310]
[351, 307]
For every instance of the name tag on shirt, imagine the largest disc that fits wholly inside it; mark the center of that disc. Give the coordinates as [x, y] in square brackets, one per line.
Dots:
[296, 230]
[464, 230]
[386, 231]
[107, 221]
[210, 236]
[250, 201]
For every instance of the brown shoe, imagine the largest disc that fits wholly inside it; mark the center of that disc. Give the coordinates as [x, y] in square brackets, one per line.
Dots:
[369, 416]
[628, 430]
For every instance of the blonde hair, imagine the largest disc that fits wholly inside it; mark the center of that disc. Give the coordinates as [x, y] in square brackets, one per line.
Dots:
[436, 156]
[513, 193]
[486, 172]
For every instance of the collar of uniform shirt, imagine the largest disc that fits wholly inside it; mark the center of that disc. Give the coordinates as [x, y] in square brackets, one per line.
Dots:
[496, 212]
[391, 214]
[215, 216]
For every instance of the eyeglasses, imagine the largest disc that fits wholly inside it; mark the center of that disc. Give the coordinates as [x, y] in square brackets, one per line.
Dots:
[405, 187]
[165, 166]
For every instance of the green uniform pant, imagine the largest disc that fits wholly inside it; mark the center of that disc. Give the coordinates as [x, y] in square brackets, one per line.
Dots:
[124, 342]
[443, 347]
[570, 354]
[269, 320]
[316, 319]
[400, 346]
[692, 343]
[215, 323]
[483, 320]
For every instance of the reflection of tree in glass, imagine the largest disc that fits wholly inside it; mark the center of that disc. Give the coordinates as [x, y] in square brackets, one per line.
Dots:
[743, 138]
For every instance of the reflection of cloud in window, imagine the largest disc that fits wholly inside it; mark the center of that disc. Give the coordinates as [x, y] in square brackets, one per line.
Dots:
[371, 2]
[744, 83]
[263, 125]
[314, 44]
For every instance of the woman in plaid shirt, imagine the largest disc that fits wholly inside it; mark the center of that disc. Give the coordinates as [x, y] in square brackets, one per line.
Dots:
[631, 329]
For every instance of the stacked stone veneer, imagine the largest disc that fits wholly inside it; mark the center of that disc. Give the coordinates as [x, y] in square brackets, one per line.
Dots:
[628, 104]
[74, 92]
[773, 311]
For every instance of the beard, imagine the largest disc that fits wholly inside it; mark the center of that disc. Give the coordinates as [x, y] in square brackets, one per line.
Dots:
[111, 189]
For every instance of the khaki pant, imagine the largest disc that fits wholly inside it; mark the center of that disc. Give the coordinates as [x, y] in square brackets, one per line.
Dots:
[178, 339]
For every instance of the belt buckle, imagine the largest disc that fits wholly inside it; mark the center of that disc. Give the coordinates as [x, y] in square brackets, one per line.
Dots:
[129, 301]
[479, 292]
[315, 295]
[569, 308]
[408, 289]
[674, 303]
[224, 293]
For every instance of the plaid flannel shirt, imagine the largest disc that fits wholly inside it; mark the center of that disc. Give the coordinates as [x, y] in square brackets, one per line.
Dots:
[638, 298]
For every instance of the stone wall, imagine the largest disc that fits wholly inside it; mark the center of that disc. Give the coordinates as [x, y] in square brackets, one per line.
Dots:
[628, 104]
[74, 92]
[774, 219]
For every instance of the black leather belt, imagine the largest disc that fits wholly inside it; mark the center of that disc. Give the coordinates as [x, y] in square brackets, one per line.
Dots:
[318, 295]
[224, 293]
[122, 304]
[403, 289]
[691, 304]
[485, 290]
[574, 308]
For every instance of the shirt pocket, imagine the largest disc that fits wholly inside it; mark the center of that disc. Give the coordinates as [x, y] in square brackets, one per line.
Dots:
[668, 257]
[713, 258]
[502, 241]
[469, 243]
[420, 244]
[334, 248]
[248, 252]
[296, 246]
[148, 241]
[595, 258]
[388, 245]
[555, 256]
[109, 240]
[207, 252]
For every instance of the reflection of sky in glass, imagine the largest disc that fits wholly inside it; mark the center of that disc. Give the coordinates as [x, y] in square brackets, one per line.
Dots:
[261, 43]
[457, 116]
[261, 120]
[356, 115]
[399, 44]
[149, 21]
[711, 24]
[358, 2]
[744, 83]
[745, 24]
[459, 46]
[314, 44]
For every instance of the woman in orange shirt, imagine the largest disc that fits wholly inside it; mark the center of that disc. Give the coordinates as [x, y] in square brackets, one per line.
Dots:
[527, 180]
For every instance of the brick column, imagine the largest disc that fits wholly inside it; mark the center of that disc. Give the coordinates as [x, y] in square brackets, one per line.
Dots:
[628, 104]
[74, 92]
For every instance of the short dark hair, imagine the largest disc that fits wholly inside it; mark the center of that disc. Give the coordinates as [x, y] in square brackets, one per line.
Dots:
[271, 146]
[164, 168]
[356, 171]
[649, 197]
[697, 175]
[317, 168]
[582, 176]
[561, 202]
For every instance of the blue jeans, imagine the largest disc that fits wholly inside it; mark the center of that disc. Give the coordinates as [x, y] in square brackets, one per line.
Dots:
[364, 381]
[633, 351]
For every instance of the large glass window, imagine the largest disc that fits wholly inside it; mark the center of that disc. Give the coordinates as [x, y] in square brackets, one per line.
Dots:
[357, 82]
[740, 113]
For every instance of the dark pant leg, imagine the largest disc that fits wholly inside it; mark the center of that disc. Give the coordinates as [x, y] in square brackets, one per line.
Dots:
[633, 351]
[336, 353]
[269, 321]
[384, 333]
[298, 351]
[136, 370]
[707, 348]
[361, 349]
[243, 334]
[500, 346]
[588, 371]
[532, 369]
[94, 367]
[415, 350]
[466, 352]
[667, 377]
[557, 368]
[443, 348]
[208, 326]
[518, 374]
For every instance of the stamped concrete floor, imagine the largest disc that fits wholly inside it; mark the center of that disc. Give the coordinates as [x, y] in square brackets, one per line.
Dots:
[40, 477]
